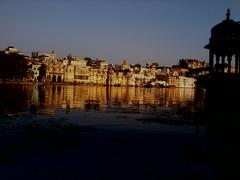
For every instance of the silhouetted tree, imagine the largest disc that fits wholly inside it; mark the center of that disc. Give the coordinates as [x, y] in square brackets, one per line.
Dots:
[13, 66]
[89, 60]
[155, 64]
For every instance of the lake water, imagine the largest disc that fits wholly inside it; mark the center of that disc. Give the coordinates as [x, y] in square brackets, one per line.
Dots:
[101, 107]
[97, 132]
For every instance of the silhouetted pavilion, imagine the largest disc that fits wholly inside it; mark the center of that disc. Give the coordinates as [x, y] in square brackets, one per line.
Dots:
[224, 46]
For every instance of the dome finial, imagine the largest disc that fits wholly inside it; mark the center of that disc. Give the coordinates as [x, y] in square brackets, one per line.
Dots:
[228, 14]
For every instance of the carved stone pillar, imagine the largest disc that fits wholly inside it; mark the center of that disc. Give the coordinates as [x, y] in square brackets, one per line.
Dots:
[223, 64]
[211, 62]
[217, 59]
[229, 59]
[217, 63]
[238, 59]
[236, 64]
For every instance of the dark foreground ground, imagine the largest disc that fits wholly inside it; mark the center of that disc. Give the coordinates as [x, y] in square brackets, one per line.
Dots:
[89, 153]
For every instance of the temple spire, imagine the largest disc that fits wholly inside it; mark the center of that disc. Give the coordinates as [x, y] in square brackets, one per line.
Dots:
[228, 14]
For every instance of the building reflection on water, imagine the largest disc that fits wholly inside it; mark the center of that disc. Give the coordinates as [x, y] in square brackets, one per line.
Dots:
[37, 98]
[102, 98]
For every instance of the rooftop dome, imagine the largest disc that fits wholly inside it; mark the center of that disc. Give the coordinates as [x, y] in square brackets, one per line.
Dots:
[225, 35]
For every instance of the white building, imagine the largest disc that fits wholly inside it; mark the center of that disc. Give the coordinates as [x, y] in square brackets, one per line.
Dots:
[12, 50]
[35, 70]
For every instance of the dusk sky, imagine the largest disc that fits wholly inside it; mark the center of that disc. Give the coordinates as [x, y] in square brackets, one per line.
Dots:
[139, 31]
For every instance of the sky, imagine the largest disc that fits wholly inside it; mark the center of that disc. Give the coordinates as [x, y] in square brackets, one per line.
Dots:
[139, 31]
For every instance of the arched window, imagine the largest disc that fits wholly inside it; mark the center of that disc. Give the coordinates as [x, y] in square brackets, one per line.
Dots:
[53, 78]
[59, 79]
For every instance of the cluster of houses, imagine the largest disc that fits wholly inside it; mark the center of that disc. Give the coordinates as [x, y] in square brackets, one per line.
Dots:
[48, 68]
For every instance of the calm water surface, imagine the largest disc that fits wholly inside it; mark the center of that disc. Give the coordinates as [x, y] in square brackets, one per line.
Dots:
[125, 108]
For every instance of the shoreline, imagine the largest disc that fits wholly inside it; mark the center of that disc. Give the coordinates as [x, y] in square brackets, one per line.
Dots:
[75, 84]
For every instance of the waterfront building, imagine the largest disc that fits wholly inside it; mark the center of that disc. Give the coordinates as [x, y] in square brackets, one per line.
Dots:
[181, 82]
[192, 63]
[11, 50]
[125, 65]
[54, 72]
[35, 71]
[48, 68]
[45, 57]
[68, 73]
[80, 70]
[178, 71]
[102, 64]
[116, 77]
[81, 74]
